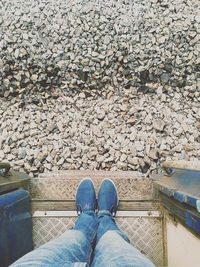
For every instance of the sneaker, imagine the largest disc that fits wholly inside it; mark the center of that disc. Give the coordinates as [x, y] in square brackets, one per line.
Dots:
[108, 197]
[85, 196]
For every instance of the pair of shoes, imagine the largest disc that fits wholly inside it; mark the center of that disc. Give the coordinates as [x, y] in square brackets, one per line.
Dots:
[86, 197]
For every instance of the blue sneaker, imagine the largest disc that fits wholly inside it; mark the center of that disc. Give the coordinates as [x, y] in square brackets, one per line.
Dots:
[85, 196]
[108, 197]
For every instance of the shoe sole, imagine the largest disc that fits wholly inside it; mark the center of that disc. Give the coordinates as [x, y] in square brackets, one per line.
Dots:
[114, 187]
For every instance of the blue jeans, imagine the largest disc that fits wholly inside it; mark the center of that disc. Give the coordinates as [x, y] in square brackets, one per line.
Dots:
[95, 241]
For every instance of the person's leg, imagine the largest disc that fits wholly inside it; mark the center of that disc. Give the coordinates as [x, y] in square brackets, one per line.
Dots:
[74, 247]
[113, 250]
[113, 247]
[107, 223]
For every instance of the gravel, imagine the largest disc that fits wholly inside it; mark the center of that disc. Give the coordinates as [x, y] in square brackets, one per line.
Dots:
[99, 84]
[69, 133]
[98, 45]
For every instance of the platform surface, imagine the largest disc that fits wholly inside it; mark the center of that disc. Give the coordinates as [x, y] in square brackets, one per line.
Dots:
[53, 207]
[63, 184]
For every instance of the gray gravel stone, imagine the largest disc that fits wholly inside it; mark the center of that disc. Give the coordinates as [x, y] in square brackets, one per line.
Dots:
[61, 161]
[165, 77]
[1, 154]
[22, 153]
[158, 124]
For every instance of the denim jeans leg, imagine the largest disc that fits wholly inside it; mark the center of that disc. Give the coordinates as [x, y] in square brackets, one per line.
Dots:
[87, 223]
[106, 223]
[113, 248]
[73, 248]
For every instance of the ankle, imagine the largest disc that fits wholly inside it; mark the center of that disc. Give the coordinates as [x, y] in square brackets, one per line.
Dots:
[103, 213]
